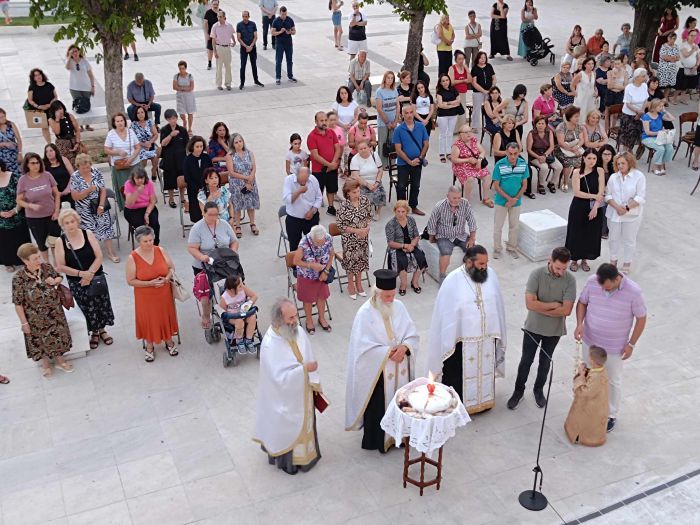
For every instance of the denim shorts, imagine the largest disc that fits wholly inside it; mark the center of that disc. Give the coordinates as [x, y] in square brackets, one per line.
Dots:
[445, 246]
[337, 18]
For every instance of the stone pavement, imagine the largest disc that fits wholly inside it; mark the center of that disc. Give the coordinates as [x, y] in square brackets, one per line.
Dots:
[123, 441]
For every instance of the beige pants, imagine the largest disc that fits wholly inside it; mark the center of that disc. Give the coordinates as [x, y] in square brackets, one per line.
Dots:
[513, 214]
[223, 61]
[470, 56]
[543, 169]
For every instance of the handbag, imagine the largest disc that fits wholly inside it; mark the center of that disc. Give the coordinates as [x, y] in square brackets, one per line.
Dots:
[484, 162]
[180, 293]
[81, 105]
[665, 136]
[591, 203]
[388, 146]
[98, 285]
[65, 296]
[95, 204]
[122, 164]
[330, 274]
[435, 37]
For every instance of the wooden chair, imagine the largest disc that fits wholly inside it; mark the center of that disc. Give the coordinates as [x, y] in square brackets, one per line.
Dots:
[394, 175]
[614, 131]
[340, 275]
[485, 132]
[687, 138]
[454, 183]
[292, 290]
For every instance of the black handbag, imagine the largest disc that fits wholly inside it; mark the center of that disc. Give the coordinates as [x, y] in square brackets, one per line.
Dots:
[98, 285]
[81, 105]
[330, 275]
[484, 162]
[95, 203]
[388, 146]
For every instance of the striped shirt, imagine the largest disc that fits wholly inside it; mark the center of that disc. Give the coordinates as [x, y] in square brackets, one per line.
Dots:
[510, 178]
[609, 316]
[444, 223]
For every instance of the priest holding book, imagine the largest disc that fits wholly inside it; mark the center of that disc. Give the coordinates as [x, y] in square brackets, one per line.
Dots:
[467, 338]
[288, 389]
[381, 359]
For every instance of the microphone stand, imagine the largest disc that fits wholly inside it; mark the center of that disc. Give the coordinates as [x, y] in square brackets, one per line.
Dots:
[534, 499]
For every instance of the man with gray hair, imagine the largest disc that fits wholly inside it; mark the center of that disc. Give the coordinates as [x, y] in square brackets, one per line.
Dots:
[140, 93]
[302, 199]
[448, 224]
[288, 385]
[510, 175]
[358, 77]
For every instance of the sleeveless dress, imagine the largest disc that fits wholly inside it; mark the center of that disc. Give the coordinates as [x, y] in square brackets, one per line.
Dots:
[243, 164]
[468, 151]
[184, 100]
[583, 235]
[530, 22]
[144, 134]
[154, 308]
[499, 33]
[9, 155]
[585, 91]
[563, 99]
[13, 231]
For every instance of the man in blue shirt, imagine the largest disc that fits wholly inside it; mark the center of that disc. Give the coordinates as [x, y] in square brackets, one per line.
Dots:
[411, 142]
[140, 93]
[247, 33]
[509, 177]
[283, 28]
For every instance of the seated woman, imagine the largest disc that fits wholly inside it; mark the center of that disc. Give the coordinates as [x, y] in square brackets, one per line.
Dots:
[405, 256]
[235, 295]
[540, 149]
[218, 149]
[596, 137]
[467, 157]
[147, 134]
[66, 129]
[140, 202]
[570, 140]
[507, 134]
[217, 193]
[366, 168]
[196, 162]
[493, 111]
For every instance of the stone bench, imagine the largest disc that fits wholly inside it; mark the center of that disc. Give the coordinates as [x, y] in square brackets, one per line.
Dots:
[96, 115]
[432, 256]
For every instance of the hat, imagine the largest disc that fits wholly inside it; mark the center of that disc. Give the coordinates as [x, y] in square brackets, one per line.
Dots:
[386, 279]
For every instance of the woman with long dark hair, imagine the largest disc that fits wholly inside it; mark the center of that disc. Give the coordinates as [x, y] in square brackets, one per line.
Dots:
[196, 162]
[40, 95]
[66, 129]
[606, 156]
[61, 169]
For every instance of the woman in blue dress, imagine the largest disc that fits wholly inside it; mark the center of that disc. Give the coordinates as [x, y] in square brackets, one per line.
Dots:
[240, 163]
[147, 134]
[528, 15]
[10, 143]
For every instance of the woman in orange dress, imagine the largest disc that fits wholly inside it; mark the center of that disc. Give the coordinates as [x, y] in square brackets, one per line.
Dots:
[149, 270]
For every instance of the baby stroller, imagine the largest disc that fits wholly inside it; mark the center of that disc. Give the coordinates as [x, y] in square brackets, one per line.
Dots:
[538, 47]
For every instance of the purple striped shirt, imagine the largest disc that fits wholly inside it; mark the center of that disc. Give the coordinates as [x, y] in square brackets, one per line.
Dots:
[609, 318]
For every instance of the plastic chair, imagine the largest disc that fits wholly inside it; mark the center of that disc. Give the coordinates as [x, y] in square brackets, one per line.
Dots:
[283, 239]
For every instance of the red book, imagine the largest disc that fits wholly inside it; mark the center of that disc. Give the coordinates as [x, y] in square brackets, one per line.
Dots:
[320, 402]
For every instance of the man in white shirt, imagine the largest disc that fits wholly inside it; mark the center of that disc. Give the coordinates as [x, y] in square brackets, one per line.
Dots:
[268, 9]
[301, 195]
[223, 39]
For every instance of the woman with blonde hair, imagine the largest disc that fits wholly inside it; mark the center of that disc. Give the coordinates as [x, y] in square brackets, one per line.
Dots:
[404, 256]
[387, 102]
[596, 137]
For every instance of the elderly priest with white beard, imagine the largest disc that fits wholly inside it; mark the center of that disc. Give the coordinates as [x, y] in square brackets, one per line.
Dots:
[381, 359]
[467, 338]
[285, 421]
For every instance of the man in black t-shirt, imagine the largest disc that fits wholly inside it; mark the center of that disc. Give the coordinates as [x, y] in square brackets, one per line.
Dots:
[283, 28]
[247, 33]
[211, 17]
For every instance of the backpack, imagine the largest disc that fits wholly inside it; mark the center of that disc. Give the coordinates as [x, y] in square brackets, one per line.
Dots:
[81, 105]
[201, 289]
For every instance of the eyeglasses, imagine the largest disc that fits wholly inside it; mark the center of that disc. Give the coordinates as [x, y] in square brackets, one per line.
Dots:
[33, 162]
[77, 67]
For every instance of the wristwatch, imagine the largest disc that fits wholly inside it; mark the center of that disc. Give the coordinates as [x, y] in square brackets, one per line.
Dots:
[627, 207]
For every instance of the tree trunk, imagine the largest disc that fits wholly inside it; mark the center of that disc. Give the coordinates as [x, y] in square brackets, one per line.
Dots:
[114, 89]
[646, 23]
[414, 43]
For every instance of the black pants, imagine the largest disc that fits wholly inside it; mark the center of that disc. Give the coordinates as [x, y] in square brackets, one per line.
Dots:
[444, 62]
[529, 351]
[195, 210]
[253, 55]
[155, 107]
[409, 175]
[287, 50]
[452, 371]
[135, 218]
[42, 228]
[296, 228]
[373, 437]
[267, 23]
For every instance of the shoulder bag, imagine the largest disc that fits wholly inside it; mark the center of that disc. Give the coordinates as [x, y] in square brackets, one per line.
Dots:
[420, 148]
[388, 146]
[180, 293]
[65, 296]
[484, 162]
[98, 285]
[122, 164]
[95, 204]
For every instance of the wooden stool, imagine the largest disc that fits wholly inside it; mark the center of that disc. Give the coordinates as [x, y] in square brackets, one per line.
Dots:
[422, 459]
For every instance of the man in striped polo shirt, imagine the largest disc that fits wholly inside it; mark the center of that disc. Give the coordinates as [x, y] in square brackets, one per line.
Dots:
[509, 181]
[611, 305]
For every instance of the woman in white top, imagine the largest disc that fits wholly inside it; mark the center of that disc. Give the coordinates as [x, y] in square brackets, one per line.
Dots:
[633, 103]
[183, 85]
[81, 82]
[584, 86]
[367, 168]
[346, 108]
[425, 105]
[687, 79]
[625, 196]
[472, 39]
[123, 145]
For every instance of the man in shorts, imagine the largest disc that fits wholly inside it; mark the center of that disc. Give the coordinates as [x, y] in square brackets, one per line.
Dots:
[325, 156]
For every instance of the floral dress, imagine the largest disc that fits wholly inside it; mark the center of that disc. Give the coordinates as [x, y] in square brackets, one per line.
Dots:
[13, 230]
[668, 71]
[570, 135]
[9, 155]
[222, 202]
[563, 99]
[100, 225]
[144, 134]
[216, 150]
[243, 164]
[464, 171]
[49, 334]
[355, 250]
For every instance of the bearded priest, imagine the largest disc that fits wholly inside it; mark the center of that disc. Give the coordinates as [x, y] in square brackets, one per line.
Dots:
[285, 421]
[381, 359]
[467, 338]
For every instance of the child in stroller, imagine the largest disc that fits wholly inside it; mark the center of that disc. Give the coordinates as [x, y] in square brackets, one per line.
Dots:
[239, 312]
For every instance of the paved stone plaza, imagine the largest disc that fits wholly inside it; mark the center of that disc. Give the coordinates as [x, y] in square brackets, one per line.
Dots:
[122, 441]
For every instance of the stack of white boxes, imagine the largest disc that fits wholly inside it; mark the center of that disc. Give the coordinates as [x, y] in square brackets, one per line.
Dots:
[540, 232]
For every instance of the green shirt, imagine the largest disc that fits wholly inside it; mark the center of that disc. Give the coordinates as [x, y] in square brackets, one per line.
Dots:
[510, 178]
[549, 288]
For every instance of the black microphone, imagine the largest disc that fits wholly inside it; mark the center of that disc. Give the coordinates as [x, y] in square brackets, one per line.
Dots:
[538, 343]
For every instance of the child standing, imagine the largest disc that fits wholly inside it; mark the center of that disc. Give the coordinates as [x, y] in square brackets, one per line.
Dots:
[587, 421]
[232, 301]
[296, 157]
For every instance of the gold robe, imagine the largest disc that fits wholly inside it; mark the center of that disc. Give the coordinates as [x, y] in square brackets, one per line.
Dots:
[587, 421]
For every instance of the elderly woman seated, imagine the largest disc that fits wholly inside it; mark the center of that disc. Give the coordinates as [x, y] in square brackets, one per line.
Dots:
[366, 168]
[404, 256]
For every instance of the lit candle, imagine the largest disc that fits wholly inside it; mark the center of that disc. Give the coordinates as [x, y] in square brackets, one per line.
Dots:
[431, 383]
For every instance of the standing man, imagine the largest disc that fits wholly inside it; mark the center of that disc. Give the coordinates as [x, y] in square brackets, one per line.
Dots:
[302, 199]
[223, 39]
[285, 419]
[467, 338]
[549, 298]
[283, 28]
[268, 9]
[609, 306]
[358, 80]
[247, 34]
[509, 181]
[411, 142]
[211, 17]
[325, 156]
[381, 359]
[140, 93]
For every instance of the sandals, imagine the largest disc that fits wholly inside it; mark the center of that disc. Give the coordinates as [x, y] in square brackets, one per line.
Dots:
[416, 289]
[574, 266]
[254, 229]
[237, 230]
[65, 367]
[564, 188]
[47, 372]
[326, 328]
[94, 340]
[310, 331]
[585, 267]
[443, 159]
[114, 259]
[4, 380]
[551, 187]
[149, 356]
[541, 190]
[402, 292]
[530, 195]
[172, 350]
[105, 337]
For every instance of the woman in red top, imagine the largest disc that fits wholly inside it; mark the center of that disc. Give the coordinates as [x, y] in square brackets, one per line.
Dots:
[461, 80]
[669, 24]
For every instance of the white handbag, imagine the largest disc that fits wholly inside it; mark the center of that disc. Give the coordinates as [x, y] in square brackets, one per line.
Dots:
[180, 293]
[435, 37]
[665, 136]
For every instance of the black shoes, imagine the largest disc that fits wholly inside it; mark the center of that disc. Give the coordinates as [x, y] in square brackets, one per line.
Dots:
[136, 57]
[331, 210]
[611, 424]
[292, 79]
[540, 399]
[209, 66]
[514, 400]
[258, 83]
[126, 56]
[240, 87]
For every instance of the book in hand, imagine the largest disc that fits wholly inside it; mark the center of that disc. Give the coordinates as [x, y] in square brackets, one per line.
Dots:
[321, 402]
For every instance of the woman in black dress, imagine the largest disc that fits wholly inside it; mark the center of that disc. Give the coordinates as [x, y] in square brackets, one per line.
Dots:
[195, 163]
[173, 142]
[606, 154]
[40, 94]
[13, 228]
[585, 227]
[499, 30]
[61, 169]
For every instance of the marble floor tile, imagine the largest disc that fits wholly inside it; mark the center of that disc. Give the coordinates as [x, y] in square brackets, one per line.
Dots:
[114, 514]
[213, 496]
[147, 475]
[165, 506]
[92, 490]
[138, 443]
[201, 460]
[24, 508]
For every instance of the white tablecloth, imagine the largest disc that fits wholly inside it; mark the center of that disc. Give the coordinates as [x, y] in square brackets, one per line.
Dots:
[425, 435]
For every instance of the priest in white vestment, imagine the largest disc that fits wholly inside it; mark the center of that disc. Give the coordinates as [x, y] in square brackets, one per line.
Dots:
[285, 421]
[467, 338]
[381, 359]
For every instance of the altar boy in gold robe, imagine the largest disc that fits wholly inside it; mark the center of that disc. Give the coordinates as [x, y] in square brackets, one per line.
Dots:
[587, 421]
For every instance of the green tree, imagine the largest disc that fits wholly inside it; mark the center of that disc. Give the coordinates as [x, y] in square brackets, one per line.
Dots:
[413, 12]
[109, 24]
